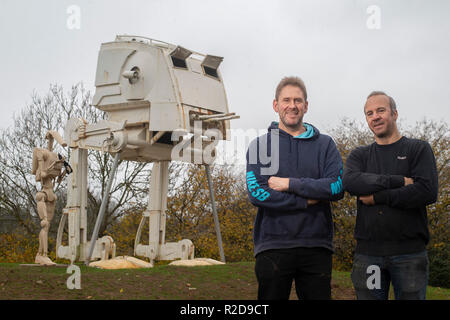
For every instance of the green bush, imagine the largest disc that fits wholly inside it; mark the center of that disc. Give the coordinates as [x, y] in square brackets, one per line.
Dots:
[439, 257]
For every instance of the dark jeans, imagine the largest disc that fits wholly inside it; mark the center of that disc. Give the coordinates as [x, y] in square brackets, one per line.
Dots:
[408, 273]
[309, 267]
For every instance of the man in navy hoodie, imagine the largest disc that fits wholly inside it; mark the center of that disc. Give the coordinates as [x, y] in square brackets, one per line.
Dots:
[293, 172]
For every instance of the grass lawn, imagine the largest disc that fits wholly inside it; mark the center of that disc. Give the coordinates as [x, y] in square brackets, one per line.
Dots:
[232, 281]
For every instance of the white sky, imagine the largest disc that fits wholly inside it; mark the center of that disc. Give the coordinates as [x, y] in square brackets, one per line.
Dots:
[327, 43]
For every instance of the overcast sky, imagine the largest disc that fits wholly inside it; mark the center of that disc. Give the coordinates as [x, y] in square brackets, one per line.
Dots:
[342, 50]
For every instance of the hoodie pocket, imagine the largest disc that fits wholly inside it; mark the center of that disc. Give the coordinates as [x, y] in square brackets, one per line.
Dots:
[316, 224]
[275, 227]
[297, 225]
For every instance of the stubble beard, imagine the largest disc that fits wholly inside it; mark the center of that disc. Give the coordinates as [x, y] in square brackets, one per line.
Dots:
[294, 126]
[388, 132]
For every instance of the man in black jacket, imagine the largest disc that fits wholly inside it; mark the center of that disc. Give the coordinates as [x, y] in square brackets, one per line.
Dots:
[394, 178]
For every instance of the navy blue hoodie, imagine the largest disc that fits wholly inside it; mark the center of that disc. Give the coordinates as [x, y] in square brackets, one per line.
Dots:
[313, 165]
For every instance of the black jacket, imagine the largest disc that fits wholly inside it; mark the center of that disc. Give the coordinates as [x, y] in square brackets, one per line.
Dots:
[397, 223]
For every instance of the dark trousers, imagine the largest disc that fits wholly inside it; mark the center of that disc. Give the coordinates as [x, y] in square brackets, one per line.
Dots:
[371, 276]
[309, 267]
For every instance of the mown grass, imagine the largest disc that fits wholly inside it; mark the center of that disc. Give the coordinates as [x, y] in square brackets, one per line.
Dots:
[232, 281]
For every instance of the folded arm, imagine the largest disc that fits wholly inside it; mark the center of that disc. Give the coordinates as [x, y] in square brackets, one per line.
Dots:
[358, 183]
[424, 189]
[328, 187]
[261, 195]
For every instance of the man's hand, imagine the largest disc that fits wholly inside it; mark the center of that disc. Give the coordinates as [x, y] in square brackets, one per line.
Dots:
[312, 202]
[408, 181]
[367, 200]
[279, 184]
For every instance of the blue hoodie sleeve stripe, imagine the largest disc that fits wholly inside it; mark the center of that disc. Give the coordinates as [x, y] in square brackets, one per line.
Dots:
[254, 188]
[329, 187]
[261, 195]
[336, 187]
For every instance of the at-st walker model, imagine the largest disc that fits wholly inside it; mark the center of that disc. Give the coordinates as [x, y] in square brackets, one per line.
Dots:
[153, 93]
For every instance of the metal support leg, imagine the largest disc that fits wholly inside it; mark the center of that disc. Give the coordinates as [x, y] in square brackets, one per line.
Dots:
[155, 213]
[158, 248]
[216, 217]
[157, 207]
[102, 209]
[75, 210]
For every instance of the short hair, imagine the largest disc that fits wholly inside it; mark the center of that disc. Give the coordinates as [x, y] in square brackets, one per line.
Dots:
[392, 103]
[291, 81]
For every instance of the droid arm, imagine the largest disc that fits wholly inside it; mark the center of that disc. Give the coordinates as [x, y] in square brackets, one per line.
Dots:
[54, 135]
[38, 164]
[62, 175]
[39, 155]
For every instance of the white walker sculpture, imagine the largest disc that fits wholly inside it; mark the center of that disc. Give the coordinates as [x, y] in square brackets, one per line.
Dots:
[153, 93]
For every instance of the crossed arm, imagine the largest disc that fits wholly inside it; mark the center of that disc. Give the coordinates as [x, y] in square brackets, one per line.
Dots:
[292, 193]
[276, 193]
[327, 187]
[393, 190]
[282, 185]
[369, 199]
